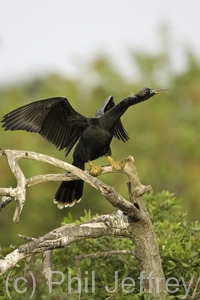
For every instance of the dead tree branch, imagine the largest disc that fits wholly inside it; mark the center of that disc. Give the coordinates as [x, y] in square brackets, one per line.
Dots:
[130, 220]
[19, 193]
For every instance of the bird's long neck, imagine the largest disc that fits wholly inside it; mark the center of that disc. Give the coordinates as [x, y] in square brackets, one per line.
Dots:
[111, 116]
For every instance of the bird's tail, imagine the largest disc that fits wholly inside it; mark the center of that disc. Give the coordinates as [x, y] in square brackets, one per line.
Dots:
[69, 192]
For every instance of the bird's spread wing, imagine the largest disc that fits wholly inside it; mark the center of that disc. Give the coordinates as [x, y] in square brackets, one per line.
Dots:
[119, 131]
[54, 119]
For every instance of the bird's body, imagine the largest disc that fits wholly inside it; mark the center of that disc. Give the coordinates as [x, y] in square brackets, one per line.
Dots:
[60, 124]
[94, 141]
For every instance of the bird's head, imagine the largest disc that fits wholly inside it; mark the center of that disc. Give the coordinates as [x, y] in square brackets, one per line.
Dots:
[147, 93]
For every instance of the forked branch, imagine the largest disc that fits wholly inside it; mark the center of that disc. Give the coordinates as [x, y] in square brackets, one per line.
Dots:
[19, 192]
[130, 220]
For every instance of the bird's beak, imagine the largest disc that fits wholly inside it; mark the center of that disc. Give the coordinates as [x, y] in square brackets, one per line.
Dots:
[160, 91]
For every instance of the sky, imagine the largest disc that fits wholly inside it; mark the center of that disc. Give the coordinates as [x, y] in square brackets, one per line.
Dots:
[41, 36]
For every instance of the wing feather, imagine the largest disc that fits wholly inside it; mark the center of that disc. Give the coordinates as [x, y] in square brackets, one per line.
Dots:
[54, 119]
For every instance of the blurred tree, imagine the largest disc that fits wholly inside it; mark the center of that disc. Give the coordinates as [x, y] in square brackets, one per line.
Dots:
[165, 150]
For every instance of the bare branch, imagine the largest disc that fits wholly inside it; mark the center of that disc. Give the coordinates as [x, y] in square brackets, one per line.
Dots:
[65, 235]
[144, 239]
[47, 264]
[19, 193]
[130, 220]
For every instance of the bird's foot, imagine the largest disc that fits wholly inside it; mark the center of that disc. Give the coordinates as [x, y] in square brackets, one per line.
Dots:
[94, 170]
[116, 165]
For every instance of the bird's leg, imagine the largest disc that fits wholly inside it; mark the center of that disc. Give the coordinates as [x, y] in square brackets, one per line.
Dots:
[94, 170]
[116, 165]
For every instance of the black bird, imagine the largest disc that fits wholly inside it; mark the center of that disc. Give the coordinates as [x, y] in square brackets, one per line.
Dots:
[56, 121]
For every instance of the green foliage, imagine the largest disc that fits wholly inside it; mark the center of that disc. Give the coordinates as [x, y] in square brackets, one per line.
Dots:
[87, 216]
[178, 240]
[103, 276]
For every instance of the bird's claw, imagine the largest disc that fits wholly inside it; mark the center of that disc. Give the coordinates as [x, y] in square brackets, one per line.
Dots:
[94, 170]
[115, 164]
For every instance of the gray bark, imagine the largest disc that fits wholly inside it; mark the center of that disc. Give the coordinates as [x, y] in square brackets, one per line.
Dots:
[130, 220]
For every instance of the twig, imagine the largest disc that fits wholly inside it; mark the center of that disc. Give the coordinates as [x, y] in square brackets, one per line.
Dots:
[25, 237]
[47, 264]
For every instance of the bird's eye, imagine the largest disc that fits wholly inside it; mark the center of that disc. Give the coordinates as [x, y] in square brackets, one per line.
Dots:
[151, 91]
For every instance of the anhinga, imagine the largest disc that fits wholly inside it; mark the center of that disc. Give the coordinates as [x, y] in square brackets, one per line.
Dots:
[56, 121]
